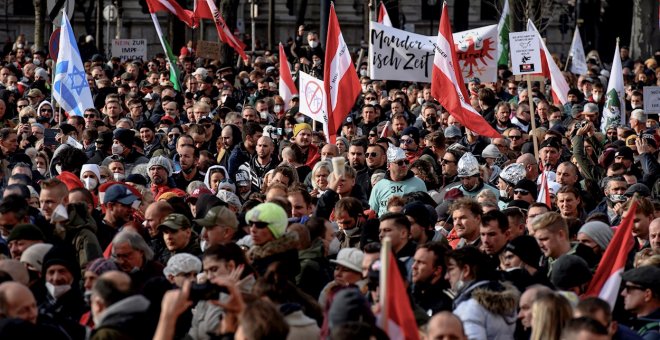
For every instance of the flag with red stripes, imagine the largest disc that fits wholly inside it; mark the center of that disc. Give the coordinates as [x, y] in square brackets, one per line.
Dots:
[173, 7]
[287, 87]
[544, 193]
[339, 73]
[607, 279]
[559, 86]
[206, 9]
[383, 17]
[447, 84]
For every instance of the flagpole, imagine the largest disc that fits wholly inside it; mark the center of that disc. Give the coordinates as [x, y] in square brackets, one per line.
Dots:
[531, 112]
[385, 249]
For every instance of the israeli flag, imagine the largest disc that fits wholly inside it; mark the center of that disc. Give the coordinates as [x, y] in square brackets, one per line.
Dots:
[70, 88]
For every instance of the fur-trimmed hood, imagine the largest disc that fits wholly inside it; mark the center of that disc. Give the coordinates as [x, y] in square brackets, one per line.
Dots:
[288, 241]
[496, 297]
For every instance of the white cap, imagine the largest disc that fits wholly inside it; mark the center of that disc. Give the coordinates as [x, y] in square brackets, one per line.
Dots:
[350, 258]
[200, 71]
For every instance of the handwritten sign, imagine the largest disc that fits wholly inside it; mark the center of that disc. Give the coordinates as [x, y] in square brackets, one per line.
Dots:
[208, 49]
[313, 99]
[525, 53]
[395, 54]
[129, 49]
[652, 99]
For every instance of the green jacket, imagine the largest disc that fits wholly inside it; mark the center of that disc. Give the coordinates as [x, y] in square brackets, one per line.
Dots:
[81, 233]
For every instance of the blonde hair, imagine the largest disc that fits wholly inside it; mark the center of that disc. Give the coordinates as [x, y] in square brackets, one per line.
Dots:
[550, 313]
[486, 195]
[551, 221]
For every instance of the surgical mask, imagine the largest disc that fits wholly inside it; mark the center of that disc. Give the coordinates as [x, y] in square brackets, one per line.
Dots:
[313, 43]
[57, 291]
[36, 62]
[203, 245]
[42, 171]
[263, 114]
[597, 96]
[90, 183]
[59, 214]
[503, 193]
[460, 284]
[554, 122]
[420, 101]
[317, 62]
[373, 102]
[58, 168]
[117, 149]
[300, 119]
[277, 108]
[118, 177]
[363, 72]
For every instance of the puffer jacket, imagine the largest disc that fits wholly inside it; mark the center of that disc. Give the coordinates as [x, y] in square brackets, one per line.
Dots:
[488, 310]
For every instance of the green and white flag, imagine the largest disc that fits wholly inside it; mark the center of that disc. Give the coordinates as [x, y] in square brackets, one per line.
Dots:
[171, 59]
[614, 110]
[503, 32]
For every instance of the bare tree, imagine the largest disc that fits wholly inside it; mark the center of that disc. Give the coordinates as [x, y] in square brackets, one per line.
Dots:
[38, 23]
[644, 28]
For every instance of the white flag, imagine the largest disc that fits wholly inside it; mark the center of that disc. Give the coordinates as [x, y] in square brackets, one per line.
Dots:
[614, 110]
[313, 99]
[578, 60]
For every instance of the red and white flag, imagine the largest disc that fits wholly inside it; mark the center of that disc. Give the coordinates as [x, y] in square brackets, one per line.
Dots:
[544, 192]
[383, 17]
[447, 84]
[287, 87]
[339, 73]
[206, 9]
[551, 70]
[401, 322]
[173, 7]
[607, 279]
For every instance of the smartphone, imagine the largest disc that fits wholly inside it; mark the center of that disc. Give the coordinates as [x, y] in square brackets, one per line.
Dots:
[49, 137]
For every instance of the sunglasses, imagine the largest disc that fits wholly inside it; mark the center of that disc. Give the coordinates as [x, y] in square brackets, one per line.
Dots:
[406, 140]
[446, 161]
[370, 98]
[521, 192]
[633, 287]
[371, 154]
[259, 225]
[89, 116]
[372, 135]
[402, 162]
[46, 110]
[514, 137]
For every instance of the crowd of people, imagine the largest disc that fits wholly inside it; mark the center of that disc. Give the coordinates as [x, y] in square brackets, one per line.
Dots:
[220, 211]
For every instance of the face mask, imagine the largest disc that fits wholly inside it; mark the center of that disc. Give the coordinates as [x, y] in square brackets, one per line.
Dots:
[317, 63]
[42, 171]
[223, 99]
[90, 183]
[460, 284]
[363, 72]
[420, 101]
[203, 245]
[58, 168]
[617, 198]
[118, 177]
[503, 193]
[431, 121]
[59, 214]
[117, 149]
[364, 88]
[57, 291]
[597, 97]
[300, 119]
[263, 114]
[313, 43]
[37, 62]
[288, 130]
[246, 80]
[373, 102]
[277, 108]
[88, 297]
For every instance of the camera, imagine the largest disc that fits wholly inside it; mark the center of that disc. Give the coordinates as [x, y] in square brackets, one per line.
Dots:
[205, 291]
[25, 119]
[581, 124]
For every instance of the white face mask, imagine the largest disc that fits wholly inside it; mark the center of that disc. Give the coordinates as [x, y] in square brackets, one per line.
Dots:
[313, 43]
[37, 62]
[57, 291]
[263, 114]
[420, 100]
[118, 177]
[58, 168]
[363, 72]
[460, 284]
[597, 96]
[373, 102]
[277, 108]
[503, 193]
[203, 245]
[117, 149]
[90, 183]
[364, 87]
[59, 214]
[42, 171]
[300, 119]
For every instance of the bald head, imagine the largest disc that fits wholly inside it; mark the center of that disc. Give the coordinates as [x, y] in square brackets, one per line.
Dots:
[527, 159]
[17, 301]
[155, 214]
[328, 151]
[446, 325]
[119, 279]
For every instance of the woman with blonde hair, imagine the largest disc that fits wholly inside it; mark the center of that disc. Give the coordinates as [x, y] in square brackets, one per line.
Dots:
[550, 313]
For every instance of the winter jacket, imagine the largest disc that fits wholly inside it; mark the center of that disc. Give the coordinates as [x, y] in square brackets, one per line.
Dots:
[191, 248]
[126, 319]
[386, 188]
[301, 326]
[431, 297]
[81, 233]
[314, 269]
[488, 310]
[237, 157]
[281, 250]
[313, 155]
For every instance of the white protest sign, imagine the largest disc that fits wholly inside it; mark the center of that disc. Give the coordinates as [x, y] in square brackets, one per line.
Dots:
[525, 53]
[129, 49]
[395, 54]
[651, 99]
[313, 100]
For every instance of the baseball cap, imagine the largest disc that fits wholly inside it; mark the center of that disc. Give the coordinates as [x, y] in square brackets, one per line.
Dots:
[350, 258]
[175, 222]
[270, 213]
[221, 216]
[119, 193]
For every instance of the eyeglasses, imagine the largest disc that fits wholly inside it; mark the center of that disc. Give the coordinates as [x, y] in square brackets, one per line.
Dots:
[401, 162]
[370, 98]
[371, 154]
[259, 225]
[406, 140]
[89, 115]
[514, 137]
[633, 287]
[521, 192]
[446, 161]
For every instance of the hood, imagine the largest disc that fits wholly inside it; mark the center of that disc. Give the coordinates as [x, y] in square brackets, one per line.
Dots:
[287, 242]
[124, 311]
[79, 217]
[55, 159]
[497, 298]
[45, 102]
[207, 177]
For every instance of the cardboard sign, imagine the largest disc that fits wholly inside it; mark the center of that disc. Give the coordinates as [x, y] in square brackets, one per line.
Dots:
[525, 53]
[208, 49]
[129, 49]
[652, 99]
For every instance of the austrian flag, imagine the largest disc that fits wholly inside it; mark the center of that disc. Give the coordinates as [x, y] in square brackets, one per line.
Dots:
[287, 86]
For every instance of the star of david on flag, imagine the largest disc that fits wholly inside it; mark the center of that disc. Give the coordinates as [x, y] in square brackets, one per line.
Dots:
[70, 87]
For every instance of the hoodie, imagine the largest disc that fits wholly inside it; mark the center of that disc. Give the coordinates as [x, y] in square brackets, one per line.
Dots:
[125, 319]
[207, 177]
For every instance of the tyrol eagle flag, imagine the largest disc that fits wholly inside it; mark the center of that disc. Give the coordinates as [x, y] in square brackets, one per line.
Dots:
[447, 84]
[70, 87]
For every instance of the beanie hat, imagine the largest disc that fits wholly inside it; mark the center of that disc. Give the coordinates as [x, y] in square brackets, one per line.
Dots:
[26, 232]
[182, 263]
[270, 213]
[423, 214]
[147, 124]
[62, 255]
[34, 255]
[528, 185]
[162, 162]
[598, 231]
[124, 136]
[101, 265]
[411, 131]
[569, 271]
[527, 249]
[299, 127]
[93, 168]
[491, 151]
[70, 180]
